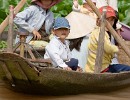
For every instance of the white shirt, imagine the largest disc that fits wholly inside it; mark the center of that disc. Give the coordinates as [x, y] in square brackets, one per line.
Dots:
[58, 52]
[112, 3]
[82, 55]
[114, 60]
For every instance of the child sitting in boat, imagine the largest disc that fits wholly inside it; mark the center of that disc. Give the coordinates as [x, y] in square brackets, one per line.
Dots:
[58, 48]
[109, 48]
[36, 22]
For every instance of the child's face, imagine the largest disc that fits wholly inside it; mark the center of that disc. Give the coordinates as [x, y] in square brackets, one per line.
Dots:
[111, 20]
[46, 3]
[62, 33]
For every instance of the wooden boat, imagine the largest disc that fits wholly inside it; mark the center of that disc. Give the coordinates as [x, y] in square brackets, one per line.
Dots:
[21, 75]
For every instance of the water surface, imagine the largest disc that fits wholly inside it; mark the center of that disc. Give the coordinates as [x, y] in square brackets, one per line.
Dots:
[6, 94]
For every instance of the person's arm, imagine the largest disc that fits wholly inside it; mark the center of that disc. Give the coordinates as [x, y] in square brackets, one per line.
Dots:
[109, 47]
[76, 6]
[21, 21]
[53, 52]
[21, 18]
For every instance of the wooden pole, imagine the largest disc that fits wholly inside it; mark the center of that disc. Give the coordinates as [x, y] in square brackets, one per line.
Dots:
[16, 10]
[100, 48]
[10, 30]
[22, 46]
[110, 28]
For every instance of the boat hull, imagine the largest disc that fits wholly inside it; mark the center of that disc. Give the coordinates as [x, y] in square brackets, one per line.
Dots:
[20, 75]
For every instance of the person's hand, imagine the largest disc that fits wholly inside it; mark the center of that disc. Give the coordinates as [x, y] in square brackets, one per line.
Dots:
[79, 69]
[67, 68]
[119, 32]
[75, 3]
[36, 35]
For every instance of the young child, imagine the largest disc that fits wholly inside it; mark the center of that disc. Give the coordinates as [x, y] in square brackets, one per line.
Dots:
[36, 20]
[109, 48]
[58, 48]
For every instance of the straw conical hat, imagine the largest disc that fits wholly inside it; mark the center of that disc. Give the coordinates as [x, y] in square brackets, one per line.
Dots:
[80, 24]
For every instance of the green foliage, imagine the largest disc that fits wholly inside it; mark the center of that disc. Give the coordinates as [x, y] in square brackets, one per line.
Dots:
[3, 44]
[65, 7]
[4, 7]
[124, 11]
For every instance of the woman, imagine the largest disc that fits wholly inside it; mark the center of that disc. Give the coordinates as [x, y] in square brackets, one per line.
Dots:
[82, 21]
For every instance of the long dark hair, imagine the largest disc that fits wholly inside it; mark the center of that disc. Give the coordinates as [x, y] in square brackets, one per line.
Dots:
[114, 26]
[116, 20]
[75, 43]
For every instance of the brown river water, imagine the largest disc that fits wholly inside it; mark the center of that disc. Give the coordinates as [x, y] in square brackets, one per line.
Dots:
[6, 94]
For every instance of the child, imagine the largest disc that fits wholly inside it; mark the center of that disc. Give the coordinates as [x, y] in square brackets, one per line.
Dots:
[113, 4]
[36, 20]
[109, 48]
[58, 48]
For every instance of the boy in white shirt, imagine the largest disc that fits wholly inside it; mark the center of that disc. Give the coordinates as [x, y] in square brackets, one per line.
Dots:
[58, 48]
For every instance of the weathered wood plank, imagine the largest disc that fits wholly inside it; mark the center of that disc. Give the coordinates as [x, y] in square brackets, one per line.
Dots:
[7, 72]
[100, 48]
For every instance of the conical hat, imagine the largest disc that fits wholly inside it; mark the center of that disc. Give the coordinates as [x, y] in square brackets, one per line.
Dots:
[80, 24]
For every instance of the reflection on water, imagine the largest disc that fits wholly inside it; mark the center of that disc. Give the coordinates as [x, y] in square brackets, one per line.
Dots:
[123, 94]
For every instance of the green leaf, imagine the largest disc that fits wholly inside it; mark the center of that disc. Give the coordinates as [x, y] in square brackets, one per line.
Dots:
[2, 14]
[4, 4]
[63, 13]
[57, 15]
[54, 9]
[127, 12]
[1, 20]
[126, 20]
[121, 16]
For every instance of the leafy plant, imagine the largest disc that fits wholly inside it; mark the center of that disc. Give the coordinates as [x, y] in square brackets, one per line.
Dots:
[4, 7]
[65, 7]
[3, 44]
[124, 11]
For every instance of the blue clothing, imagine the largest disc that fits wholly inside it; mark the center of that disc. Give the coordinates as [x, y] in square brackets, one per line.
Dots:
[32, 18]
[116, 68]
[61, 22]
[73, 63]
